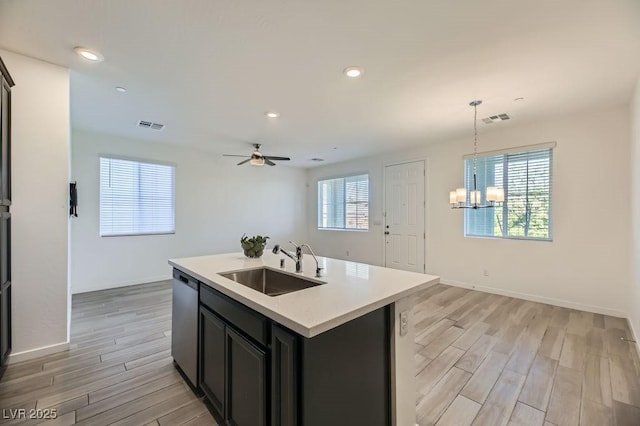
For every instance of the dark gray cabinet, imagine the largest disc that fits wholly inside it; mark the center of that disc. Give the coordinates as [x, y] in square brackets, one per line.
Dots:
[345, 374]
[246, 382]
[256, 372]
[5, 216]
[233, 361]
[284, 377]
[212, 359]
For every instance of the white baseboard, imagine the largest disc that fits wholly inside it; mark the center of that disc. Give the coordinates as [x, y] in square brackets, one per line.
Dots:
[37, 352]
[106, 286]
[540, 299]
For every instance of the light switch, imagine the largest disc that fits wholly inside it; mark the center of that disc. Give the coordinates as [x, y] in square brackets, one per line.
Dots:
[404, 322]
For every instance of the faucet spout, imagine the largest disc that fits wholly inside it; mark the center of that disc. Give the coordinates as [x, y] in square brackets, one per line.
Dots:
[296, 258]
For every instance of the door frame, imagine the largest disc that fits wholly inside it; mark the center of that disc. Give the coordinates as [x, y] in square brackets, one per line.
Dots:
[425, 160]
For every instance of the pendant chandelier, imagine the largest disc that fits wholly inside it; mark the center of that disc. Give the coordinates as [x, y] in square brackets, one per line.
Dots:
[458, 199]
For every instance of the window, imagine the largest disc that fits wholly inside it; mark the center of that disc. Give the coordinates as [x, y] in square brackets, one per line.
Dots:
[343, 203]
[136, 198]
[526, 176]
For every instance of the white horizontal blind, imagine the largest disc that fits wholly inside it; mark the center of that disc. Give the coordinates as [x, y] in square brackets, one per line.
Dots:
[343, 203]
[527, 181]
[136, 198]
[357, 202]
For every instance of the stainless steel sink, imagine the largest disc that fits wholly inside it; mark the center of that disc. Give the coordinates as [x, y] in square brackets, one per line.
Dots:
[269, 281]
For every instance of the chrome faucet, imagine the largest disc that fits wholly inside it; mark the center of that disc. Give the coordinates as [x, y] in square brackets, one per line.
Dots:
[298, 256]
[318, 268]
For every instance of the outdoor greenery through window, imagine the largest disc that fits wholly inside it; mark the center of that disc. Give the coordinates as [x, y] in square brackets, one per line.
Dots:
[136, 197]
[526, 177]
[343, 203]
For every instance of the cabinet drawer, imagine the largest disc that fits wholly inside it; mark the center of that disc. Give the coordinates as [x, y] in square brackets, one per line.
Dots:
[242, 318]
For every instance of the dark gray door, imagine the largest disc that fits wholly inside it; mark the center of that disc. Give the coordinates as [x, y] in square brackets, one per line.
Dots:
[5, 287]
[246, 401]
[212, 359]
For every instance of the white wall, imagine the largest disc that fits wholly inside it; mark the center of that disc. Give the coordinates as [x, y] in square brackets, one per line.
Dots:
[39, 234]
[587, 264]
[216, 202]
[634, 289]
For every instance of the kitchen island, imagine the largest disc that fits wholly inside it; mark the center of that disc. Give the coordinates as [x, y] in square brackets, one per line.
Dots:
[337, 352]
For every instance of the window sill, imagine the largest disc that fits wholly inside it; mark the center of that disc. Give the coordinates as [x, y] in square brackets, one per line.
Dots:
[486, 237]
[138, 234]
[343, 229]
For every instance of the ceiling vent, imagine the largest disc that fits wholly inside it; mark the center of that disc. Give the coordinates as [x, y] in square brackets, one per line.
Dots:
[494, 118]
[150, 125]
[317, 159]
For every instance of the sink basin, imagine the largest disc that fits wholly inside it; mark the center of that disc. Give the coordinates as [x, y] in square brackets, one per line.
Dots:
[269, 281]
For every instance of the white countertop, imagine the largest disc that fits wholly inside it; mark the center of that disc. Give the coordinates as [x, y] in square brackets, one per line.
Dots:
[351, 290]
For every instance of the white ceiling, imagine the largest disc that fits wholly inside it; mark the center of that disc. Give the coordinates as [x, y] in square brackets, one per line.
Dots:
[209, 69]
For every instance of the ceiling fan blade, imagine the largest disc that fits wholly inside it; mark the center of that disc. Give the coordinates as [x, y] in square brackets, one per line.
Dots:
[269, 162]
[277, 158]
[231, 155]
[244, 161]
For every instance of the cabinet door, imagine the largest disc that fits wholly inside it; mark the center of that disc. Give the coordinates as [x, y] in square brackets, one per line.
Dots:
[5, 146]
[284, 378]
[5, 246]
[5, 323]
[212, 359]
[246, 401]
[5, 286]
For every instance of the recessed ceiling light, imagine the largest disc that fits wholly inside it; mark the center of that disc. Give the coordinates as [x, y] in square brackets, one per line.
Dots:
[519, 99]
[120, 89]
[272, 114]
[353, 72]
[89, 55]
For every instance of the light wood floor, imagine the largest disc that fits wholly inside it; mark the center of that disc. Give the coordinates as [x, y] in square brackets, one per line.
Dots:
[484, 359]
[119, 369]
[480, 359]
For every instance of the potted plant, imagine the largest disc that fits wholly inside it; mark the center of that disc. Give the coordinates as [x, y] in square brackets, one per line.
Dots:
[254, 246]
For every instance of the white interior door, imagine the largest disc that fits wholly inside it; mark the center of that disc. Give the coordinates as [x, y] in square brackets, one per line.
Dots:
[404, 216]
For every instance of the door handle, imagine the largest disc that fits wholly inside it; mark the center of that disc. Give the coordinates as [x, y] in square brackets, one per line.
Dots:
[386, 232]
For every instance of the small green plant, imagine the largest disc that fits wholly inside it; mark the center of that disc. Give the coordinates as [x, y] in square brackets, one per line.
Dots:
[254, 246]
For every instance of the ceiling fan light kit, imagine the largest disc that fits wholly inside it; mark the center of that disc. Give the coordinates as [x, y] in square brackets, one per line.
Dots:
[258, 159]
[458, 198]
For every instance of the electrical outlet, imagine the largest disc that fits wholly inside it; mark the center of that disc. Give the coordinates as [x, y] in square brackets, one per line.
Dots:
[404, 322]
[485, 272]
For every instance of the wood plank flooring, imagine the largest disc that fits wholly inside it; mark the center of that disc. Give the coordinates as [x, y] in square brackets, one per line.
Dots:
[118, 370]
[481, 359]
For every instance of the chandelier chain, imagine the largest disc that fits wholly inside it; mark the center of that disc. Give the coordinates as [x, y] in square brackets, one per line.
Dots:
[475, 139]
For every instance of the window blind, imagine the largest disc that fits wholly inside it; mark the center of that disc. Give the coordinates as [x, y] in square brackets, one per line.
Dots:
[343, 203]
[526, 178]
[136, 197]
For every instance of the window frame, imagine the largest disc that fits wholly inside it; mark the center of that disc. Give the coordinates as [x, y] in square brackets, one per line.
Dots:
[344, 178]
[505, 209]
[137, 160]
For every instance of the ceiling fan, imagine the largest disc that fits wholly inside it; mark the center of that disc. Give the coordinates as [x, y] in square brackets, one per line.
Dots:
[257, 158]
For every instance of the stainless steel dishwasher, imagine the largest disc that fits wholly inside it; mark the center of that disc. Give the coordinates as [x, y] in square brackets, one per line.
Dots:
[184, 325]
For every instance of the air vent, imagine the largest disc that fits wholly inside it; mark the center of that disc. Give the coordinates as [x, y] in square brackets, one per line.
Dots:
[494, 118]
[150, 125]
[317, 159]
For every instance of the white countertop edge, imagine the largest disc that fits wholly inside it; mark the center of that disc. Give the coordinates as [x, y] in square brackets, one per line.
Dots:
[301, 329]
[356, 313]
[245, 295]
